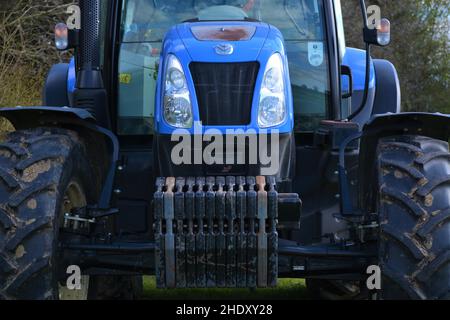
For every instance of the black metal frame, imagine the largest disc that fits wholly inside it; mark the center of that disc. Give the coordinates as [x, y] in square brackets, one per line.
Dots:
[334, 61]
[294, 260]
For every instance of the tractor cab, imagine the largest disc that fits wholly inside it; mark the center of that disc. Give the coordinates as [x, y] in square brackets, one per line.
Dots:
[245, 24]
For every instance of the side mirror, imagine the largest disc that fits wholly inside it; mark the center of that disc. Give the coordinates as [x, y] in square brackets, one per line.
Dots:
[65, 38]
[346, 71]
[379, 36]
[347, 88]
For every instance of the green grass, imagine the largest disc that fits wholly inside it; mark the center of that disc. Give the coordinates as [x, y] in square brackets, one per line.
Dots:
[293, 289]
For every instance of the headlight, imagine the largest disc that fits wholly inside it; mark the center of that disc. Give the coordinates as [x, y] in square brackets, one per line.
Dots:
[176, 78]
[272, 101]
[271, 112]
[177, 100]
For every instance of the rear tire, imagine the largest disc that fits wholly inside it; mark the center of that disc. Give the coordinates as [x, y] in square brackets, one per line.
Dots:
[414, 212]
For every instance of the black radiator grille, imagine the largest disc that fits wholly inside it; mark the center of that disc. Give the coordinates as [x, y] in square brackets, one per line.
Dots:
[225, 91]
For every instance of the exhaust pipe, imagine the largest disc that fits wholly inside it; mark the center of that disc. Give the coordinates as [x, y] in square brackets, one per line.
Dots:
[90, 93]
[89, 74]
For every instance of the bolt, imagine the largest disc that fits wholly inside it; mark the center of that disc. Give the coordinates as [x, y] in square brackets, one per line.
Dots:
[76, 223]
[117, 191]
[120, 168]
[338, 196]
[66, 220]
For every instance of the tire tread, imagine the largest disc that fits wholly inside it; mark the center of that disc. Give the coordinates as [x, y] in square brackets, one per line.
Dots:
[412, 199]
[20, 225]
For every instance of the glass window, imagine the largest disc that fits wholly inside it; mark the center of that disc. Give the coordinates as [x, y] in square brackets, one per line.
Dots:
[145, 22]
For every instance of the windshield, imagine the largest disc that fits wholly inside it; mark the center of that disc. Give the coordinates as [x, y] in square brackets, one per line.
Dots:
[145, 23]
[149, 20]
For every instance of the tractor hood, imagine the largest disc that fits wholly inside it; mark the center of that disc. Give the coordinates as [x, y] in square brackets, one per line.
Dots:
[223, 41]
[224, 63]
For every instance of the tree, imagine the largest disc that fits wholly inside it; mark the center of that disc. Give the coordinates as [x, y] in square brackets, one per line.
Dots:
[26, 48]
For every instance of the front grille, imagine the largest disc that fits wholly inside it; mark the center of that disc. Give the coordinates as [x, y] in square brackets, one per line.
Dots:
[225, 91]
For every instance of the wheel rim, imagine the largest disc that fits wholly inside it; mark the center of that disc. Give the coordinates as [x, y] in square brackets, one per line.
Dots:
[74, 197]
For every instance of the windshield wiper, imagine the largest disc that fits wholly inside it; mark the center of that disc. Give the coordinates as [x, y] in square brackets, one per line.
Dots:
[244, 20]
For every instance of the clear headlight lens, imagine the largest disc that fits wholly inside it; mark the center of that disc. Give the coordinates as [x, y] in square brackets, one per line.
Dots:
[177, 111]
[272, 102]
[271, 111]
[272, 80]
[177, 100]
[177, 79]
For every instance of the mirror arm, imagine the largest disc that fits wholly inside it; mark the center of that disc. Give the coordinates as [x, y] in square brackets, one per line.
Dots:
[346, 71]
[364, 13]
[74, 38]
[368, 60]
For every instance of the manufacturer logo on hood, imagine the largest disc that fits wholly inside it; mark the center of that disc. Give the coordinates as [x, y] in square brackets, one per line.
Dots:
[224, 49]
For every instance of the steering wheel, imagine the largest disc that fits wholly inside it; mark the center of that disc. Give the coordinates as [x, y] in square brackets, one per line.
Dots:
[249, 5]
[223, 12]
[243, 8]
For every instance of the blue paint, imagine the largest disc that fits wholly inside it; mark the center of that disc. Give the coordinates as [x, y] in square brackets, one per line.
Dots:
[71, 76]
[356, 60]
[204, 51]
[180, 42]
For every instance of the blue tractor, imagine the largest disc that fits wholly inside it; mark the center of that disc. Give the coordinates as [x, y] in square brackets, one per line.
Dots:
[223, 143]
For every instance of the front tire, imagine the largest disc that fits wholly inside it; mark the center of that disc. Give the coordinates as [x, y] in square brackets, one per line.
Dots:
[38, 170]
[414, 213]
[45, 173]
